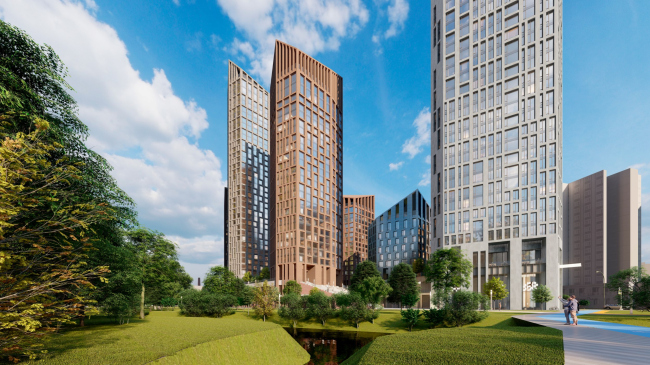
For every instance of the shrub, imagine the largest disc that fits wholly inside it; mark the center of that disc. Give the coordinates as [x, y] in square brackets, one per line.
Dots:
[410, 316]
[293, 308]
[120, 307]
[319, 306]
[463, 308]
[435, 316]
[583, 303]
[203, 303]
[542, 294]
[356, 310]
[292, 286]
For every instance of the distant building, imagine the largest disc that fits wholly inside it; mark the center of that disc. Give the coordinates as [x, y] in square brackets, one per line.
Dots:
[602, 232]
[646, 267]
[400, 234]
[358, 213]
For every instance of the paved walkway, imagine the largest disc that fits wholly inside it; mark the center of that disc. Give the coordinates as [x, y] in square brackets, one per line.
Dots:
[594, 342]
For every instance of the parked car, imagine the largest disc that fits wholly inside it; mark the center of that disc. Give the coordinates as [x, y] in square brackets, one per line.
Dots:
[612, 306]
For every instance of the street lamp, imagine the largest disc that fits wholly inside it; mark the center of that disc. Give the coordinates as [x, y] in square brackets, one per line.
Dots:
[491, 303]
[603, 275]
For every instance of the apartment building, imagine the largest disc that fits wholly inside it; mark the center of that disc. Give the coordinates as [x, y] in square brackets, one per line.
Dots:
[248, 197]
[400, 234]
[307, 145]
[497, 140]
[358, 213]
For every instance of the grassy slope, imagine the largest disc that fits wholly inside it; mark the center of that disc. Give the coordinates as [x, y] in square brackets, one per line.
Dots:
[161, 334]
[496, 340]
[635, 320]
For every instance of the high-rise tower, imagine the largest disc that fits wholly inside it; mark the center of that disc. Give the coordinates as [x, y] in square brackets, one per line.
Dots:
[358, 214]
[248, 196]
[307, 116]
[497, 140]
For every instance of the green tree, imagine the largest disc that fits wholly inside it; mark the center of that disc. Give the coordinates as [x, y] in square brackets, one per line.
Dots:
[418, 265]
[464, 307]
[198, 303]
[410, 299]
[542, 294]
[319, 306]
[293, 308]
[356, 310]
[410, 316]
[248, 277]
[634, 286]
[365, 269]
[156, 258]
[402, 280]
[292, 286]
[373, 290]
[265, 273]
[265, 300]
[220, 280]
[497, 287]
[243, 292]
[447, 269]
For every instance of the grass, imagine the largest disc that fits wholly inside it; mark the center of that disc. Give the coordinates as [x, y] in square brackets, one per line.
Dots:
[634, 320]
[624, 312]
[496, 340]
[163, 334]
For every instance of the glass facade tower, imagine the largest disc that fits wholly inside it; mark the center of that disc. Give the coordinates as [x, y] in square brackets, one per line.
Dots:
[497, 140]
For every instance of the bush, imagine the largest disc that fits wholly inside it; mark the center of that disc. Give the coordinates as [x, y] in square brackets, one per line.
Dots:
[463, 308]
[435, 317]
[293, 308]
[583, 303]
[292, 286]
[356, 310]
[120, 307]
[319, 306]
[203, 303]
[410, 316]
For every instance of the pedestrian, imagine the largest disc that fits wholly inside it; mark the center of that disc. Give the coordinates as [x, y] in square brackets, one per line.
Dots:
[565, 305]
[573, 307]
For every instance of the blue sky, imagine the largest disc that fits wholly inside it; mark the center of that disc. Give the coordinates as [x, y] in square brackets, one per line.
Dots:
[150, 78]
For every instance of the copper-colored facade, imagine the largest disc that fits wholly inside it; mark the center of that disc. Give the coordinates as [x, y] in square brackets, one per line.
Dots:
[306, 142]
[358, 213]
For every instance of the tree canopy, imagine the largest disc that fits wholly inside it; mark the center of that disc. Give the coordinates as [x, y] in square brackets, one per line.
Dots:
[403, 282]
[365, 269]
[447, 269]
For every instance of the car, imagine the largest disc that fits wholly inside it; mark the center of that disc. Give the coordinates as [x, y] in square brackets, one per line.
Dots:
[612, 306]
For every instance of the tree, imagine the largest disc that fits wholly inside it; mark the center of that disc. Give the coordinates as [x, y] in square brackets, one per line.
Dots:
[497, 287]
[410, 316]
[220, 280]
[197, 303]
[120, 307]
[447, 269]
[365, 269]
[248, 277]
[319, 306]
[265, 300]
[156, 258]
[542, 294]
[314, 291]
[243, 292]
[634, 286]
[373, 290]
[463, 308]
[410, 299]
[292, 286]
[402, 280]
[418, 265]
[356, 310]
[293, 308]
[265, 273]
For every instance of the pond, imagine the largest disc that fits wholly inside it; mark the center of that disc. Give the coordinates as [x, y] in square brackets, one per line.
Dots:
[327, 347]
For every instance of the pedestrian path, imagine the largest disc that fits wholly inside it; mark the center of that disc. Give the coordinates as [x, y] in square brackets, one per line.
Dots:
[594, 342]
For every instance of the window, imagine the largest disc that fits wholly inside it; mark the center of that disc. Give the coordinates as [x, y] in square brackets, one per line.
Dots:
[491, 24]
[512, 105]
[551, 155]
[549, 23]
[549, 50]
[512, 52]
[450, 66]
[478, 231]
[498, 20]
[513, 20]
[478, 196]
[549, 76]
[450, 21]
[450, 86]
[529, 8]
[464, 71]
[450, 44]
[512, 140]
[464, 49]
[511, 8]
[511, 177]
[478, 172]
[550, 105]
[475, 55]
[464, 26]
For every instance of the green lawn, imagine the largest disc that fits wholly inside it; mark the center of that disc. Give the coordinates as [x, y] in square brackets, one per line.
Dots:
[624, 312]
[635, 320]
[496, 340]
[163, 334]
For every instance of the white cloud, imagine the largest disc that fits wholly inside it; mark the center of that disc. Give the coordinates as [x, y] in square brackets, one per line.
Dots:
[177, 2]
[422, 137]
[395, 166]
[398, 12]
[142, 127]
[426, 178]
[311, 25]
[427, 160]
[195, 43]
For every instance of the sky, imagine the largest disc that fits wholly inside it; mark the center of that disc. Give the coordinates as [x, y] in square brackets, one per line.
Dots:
[150, 78]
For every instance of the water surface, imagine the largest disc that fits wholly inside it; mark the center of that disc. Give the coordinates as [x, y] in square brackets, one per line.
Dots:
[327, 347]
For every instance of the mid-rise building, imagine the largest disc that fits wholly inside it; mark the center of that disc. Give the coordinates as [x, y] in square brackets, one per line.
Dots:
[602, 232]
[496, 143]
[400, 234]
[358, 213]
[248, 196]
[307, 146]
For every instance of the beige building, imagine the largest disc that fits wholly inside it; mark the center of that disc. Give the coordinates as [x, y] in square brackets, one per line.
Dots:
[307, 145]
[602, 232]
[358, 213]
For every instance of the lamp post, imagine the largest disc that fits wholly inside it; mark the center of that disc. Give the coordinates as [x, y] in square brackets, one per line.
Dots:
[603, 275]
[491, 302]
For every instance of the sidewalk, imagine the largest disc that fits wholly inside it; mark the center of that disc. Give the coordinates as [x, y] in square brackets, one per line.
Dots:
[594, 342]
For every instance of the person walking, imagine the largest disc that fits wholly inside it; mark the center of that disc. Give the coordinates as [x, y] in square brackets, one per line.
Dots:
[573, 307]
[565, 305]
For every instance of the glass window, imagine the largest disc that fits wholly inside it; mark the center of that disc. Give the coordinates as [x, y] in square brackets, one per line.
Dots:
[512, 52]
[450, 44]
[450, 21]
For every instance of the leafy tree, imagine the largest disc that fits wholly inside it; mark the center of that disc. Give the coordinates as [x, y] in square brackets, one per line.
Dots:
[410, 299]
[356, 310]
[248, 277]
[265, 300]
[265, 274]
[373, 290]
[243, 292]
[436, 316]
[542, 294]
[168, 302]
[314, 291]
[220, 280]
[292, 286]
[634, 285]
[342, 299]
[410, 316]
[463, 308]
[402, 280]
[319, 306]
[365, 269]
[156, 259]
[120, 307]
[293, 308]
[197, 303]
[418, 265]
[497, 287]
[447, 269]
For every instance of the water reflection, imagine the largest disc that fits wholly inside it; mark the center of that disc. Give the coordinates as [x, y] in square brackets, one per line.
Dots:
[328, 347]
